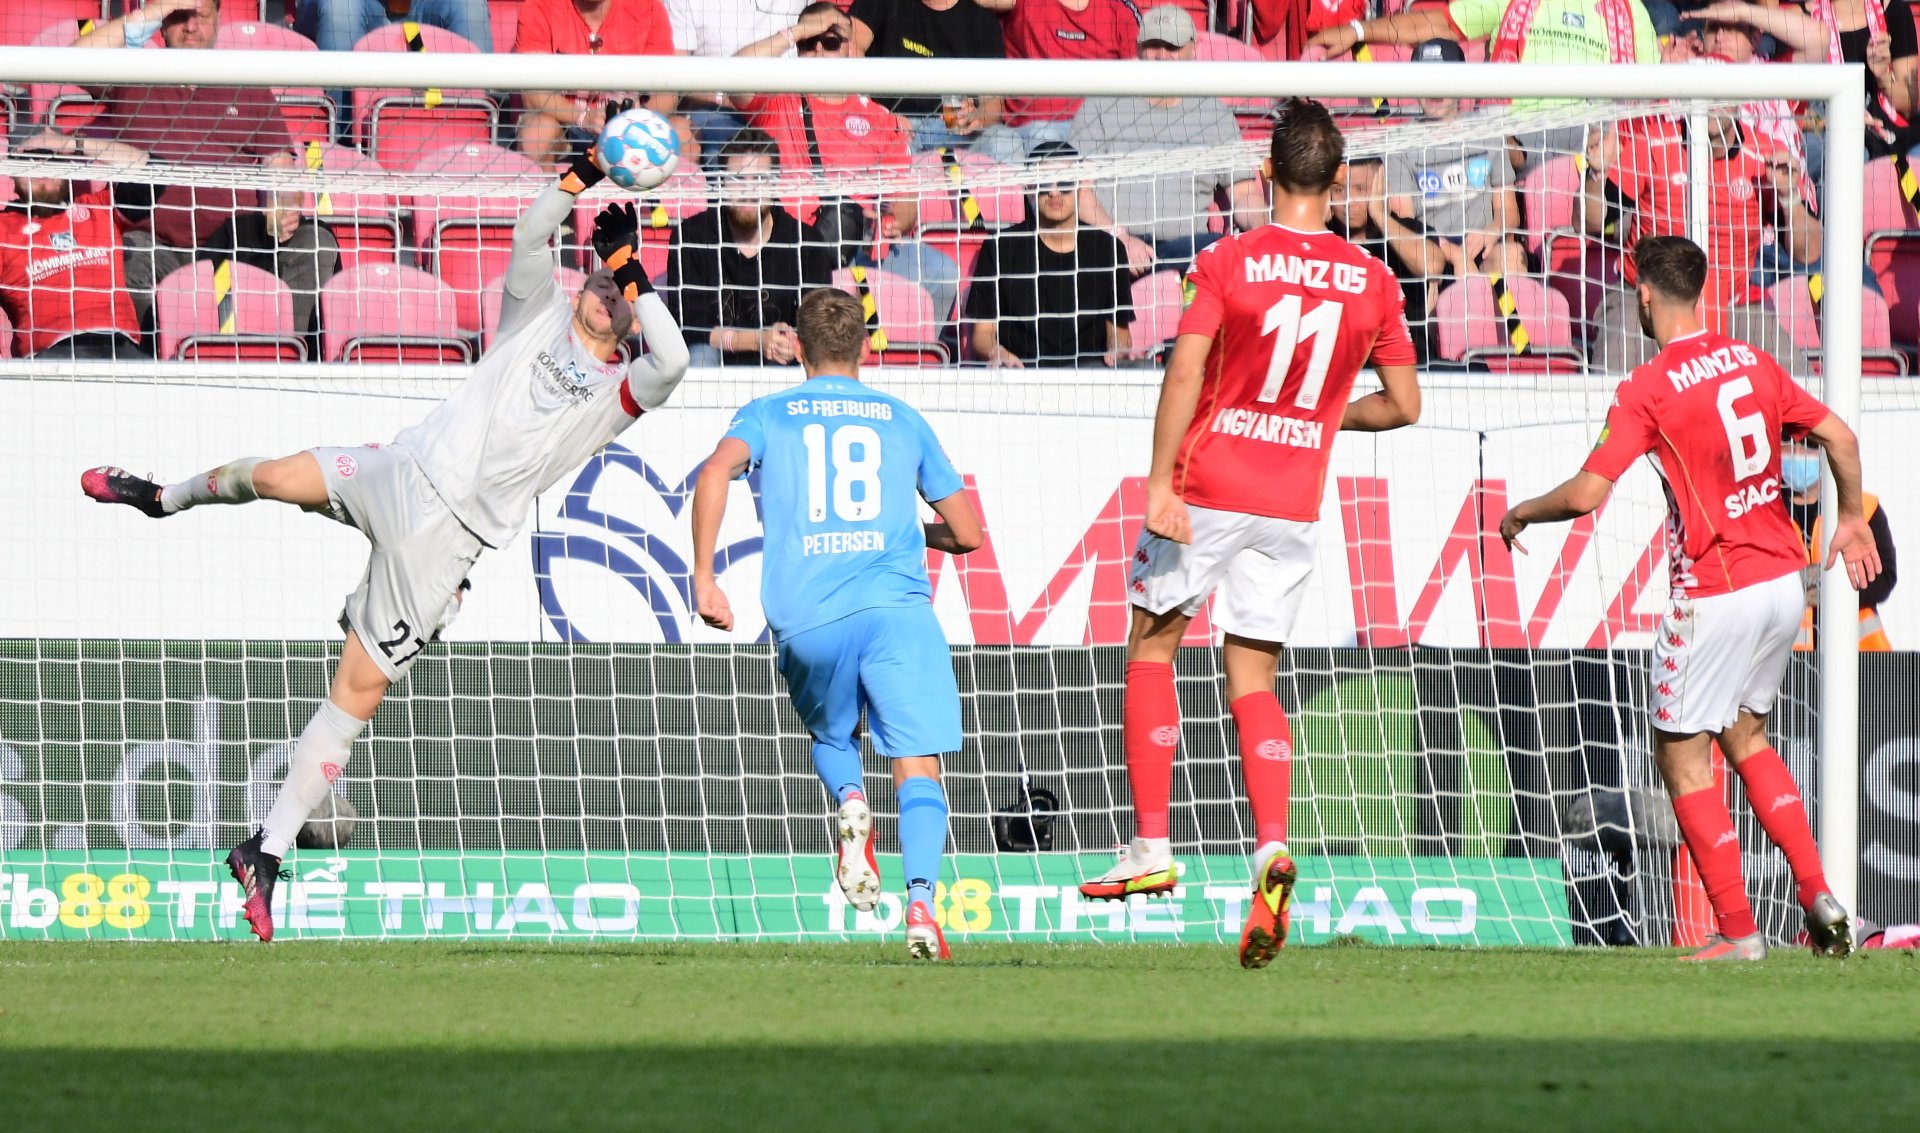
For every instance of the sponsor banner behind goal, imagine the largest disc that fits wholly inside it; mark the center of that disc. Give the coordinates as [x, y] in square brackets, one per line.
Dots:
[357, 894]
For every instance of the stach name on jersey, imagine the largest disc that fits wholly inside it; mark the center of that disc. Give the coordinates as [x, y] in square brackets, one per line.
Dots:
[1282, 267]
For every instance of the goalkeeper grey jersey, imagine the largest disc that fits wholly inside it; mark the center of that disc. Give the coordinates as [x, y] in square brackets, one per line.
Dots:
[535, 407]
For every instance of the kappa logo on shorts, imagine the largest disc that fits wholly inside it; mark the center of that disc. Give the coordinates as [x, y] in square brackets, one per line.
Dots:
[1670, 665]
[1279, 750]
[1140, 556]
[330, 770]
[1664, 715]
[1139, 587]
[1676, 641]
[346, 466]
[1167, 735]
[1666, 689]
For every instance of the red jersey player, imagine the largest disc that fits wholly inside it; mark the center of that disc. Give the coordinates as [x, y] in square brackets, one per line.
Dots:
[1282, 319]
[1710, 410]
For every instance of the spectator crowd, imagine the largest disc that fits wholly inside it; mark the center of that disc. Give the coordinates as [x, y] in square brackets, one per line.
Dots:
[1508, 239]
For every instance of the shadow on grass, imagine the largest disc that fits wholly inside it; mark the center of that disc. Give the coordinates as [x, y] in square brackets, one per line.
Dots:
[977, 1086]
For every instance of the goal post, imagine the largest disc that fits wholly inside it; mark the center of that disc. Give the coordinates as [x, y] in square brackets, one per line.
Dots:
[540, 775]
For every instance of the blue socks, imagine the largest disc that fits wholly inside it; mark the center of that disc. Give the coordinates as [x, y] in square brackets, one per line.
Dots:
[923, 835]
[839, 769]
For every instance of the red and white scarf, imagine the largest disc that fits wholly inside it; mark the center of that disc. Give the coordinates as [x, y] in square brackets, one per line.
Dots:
[1617, 15]
[1822, 10]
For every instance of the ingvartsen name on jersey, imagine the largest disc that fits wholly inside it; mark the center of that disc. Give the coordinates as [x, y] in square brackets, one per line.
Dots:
[1270, 427]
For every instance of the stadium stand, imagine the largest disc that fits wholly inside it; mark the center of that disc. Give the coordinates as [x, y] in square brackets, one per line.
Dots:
[308, 110]
[568, 279]
[902, 326]
[466, 240]
[1473, 325]
[399, 127]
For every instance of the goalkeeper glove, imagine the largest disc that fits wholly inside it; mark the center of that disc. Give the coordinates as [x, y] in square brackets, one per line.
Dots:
[616, 240]
[584, 172]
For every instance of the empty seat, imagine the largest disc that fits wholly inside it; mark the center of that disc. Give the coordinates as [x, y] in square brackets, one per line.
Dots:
[366, 225]
[1893, 245]
[23, 21]
[1158, 299]
[903, 328]
[467, 239]
[569, 280]
[6, 334]
[1471, 328]
[1792, 302]
[399, 127]
[307, 110]
[225, 310]
[389, 313]
[62, 106]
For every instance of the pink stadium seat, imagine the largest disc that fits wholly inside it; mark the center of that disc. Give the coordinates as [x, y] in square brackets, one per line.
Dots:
[63, 106]
[188, 312]
[23, 21]
[469, 240]
[389, 313]
[7, 187]
[568, 279]
[1471, 328]
[366, 225]
[904, 313]
[1157, 303]
[1549, 196]
[6, 334]
[1893, 246]
[307, 110]
[1792, 304]
[399, 127]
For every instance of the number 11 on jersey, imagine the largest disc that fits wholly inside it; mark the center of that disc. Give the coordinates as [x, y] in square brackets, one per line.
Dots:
[1322, 324]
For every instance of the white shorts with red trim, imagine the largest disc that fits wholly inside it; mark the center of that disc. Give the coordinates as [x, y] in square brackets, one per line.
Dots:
[1260, 565]
[1717, 655]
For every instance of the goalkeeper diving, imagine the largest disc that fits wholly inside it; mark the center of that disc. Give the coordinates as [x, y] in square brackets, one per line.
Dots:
[548, 394]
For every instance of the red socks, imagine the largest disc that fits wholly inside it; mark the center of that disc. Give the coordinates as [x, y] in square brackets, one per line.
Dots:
[1150, 729]
[1775, 799]
[1266, 762]
[1708, 829]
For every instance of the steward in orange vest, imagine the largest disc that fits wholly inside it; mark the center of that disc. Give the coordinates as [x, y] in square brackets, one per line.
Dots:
[1800, 469]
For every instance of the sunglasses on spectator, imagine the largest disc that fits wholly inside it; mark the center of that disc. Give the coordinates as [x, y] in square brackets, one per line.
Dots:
[825, 41]
[38, 151]
[1063, 187]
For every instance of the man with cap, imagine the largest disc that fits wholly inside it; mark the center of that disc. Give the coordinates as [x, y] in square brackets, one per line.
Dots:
[1161, 222]
[1459, 196]
[549, 393]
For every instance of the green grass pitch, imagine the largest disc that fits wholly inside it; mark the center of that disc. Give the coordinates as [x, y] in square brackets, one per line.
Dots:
[355, 1038]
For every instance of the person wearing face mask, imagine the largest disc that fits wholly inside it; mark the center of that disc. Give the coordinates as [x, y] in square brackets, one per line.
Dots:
[1800, 476]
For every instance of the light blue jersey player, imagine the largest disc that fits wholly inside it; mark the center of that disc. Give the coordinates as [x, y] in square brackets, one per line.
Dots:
[845, 590]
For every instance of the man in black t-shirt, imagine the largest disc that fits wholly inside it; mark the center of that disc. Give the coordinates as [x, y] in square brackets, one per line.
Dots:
[737, 271]
[939, 29]
[1048, 292]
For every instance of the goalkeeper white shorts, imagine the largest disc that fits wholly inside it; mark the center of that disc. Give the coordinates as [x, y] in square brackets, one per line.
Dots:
[421, 553]
[1259, 564]
[1719, 654]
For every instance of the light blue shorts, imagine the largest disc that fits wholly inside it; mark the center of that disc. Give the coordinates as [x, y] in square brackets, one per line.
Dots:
[891, 661]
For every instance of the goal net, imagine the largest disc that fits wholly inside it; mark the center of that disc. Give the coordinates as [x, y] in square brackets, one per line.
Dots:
[579, 758]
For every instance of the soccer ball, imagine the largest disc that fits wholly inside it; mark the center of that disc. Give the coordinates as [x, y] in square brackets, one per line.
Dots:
[330, 826]
[638, 149]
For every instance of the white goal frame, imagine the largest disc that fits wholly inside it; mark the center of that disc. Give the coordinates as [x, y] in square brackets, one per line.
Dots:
[1842, 88]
